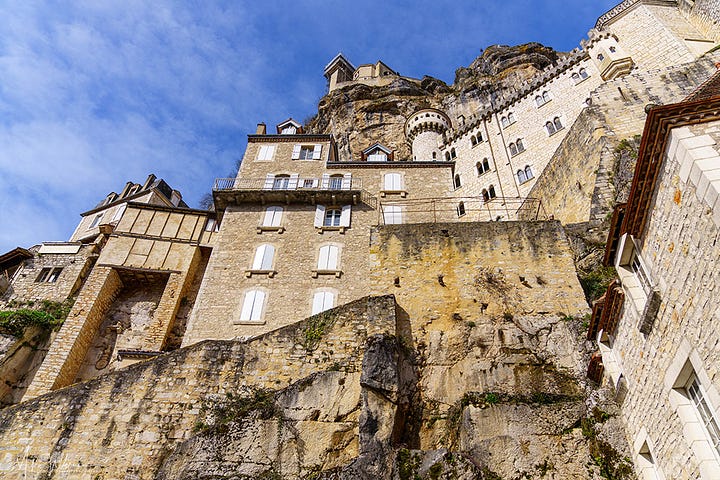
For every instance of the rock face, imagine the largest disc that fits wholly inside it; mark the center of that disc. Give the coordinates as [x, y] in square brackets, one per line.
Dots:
[359, 116]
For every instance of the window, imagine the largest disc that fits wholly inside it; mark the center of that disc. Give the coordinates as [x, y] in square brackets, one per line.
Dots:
[307, 152]
[504, 122]
[456, 181]
[483, 167]
[542, 99]
[332, 217]
[513, 149]
[263, 261]
[95, 221]
[281, 182]
[273, 217]
[49, 275]
[558, 124]
[252, 306]
[473, 141]
[511, 118]
[639, 270]
[550, 128]
[520, 146]
[336, 182]
[528, 172]
[516, 147]
[522, 178]
[453, 155]
[392, 182]
[697, 396]
[485, 195]
[575, 77]
[119, 212]
[583, 73]
[309, 183]
[491, 191]
[601, 57]
[211, 225]
[479, 137]
[322, 301]
[612, 49]
[266, 152]
[447, 156]
[289, 130]
[328, 257]
[377, 156]
[461, 209]
[392, 214]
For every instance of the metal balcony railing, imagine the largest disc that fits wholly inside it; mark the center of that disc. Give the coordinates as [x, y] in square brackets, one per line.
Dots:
[288, 183]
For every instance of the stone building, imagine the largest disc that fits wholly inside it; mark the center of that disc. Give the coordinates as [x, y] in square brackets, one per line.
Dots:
[406, 283]
[656, 327]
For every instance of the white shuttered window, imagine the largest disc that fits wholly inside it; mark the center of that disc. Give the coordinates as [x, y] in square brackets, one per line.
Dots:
[273, 217]
[266, 152]
[252, 305]
[328, 258]
[393, 182]
[264, 257]
[322, 301]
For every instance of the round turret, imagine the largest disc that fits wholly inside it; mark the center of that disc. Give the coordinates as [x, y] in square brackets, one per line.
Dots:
[424, 131]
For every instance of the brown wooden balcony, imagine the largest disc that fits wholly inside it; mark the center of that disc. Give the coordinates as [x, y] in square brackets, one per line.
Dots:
[289, 190]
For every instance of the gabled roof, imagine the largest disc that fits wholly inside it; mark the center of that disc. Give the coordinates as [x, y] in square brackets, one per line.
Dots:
[287, 122]
[13, 258]
[380, 146]
[338, 61]
[708, 89]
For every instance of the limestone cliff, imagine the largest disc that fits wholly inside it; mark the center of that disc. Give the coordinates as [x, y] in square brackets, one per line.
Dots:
[360, 115]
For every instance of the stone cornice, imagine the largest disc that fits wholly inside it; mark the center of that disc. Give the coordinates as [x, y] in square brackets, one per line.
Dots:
[280, 138]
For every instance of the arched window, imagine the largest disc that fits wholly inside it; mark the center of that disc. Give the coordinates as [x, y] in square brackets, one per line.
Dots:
[550, 128]
[486, 165]
[280, 182]
[601, 57]
[521, 176]
[447, 156]
[273, 217]
[491, 191]
[583, 73]
[558, 124]
[479, 137]
[485, 195]
[520, 146]
[473, 140]
[252, 305]
[539, 101]
[575, 77]
[328, 257]
[461, 209]
[453, 155]
[511, 118]
[513, 149]
[322, 301]
[263, 260]
[434, 155]
[528, 172]
[336, 182]
[504, 122]
[456, 181]
[392, 182]
[546, 97]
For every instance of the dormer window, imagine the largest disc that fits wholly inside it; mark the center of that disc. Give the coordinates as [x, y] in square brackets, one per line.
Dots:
[289, 130]
[289, 127]
[377, 153]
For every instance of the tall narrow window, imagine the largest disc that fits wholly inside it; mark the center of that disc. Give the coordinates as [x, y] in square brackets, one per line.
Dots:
[550, 128]
[96, 220]
[447, 156]
[697, 396]
[336, 182]
[504, 122]
[328, 257]
[528, 172]
[511, 118]
[513, 149]
[392, 182]
[486, 165]
[491, 191]
[520, 146]
[252, 305]
[575, 77]
[453, 155]
[485, 195]
[473, 140]
[456, 181]
[583, 73]
[263, 260]
[119, 212]
[322, 301]
[522, 178]
[558, 124]
[273, 217]
[461, 209]
[392, 214]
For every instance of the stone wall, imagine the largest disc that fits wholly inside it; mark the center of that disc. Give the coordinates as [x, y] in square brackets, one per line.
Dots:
[125, 424]
[679, 250]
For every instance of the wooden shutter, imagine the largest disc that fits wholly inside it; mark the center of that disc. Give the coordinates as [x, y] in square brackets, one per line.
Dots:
[328, 300]
[252, 305]
[269, 179]
[347, 181]
[345, 216]
[323, 258]
[293, 183]
[325, 181]
[332, 257]
[296, 152]
[317, 152]
[319, 215]
[273, 217]
[258, 260]
[318, 301]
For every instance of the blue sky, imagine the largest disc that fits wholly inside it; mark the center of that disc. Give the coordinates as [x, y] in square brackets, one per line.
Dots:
[96, 93]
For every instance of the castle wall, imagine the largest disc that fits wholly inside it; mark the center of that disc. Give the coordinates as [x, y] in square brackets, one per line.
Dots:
[705, 16]
[125, 424]
[679, 250]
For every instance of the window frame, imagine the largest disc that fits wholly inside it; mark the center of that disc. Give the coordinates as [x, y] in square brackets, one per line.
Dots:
[325, 295]
[263, 262]
[256, 308]
[266, 153]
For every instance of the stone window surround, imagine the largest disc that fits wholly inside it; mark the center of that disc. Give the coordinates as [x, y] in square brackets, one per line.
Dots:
[334, 292]
[400, 191]
[686, 362]
[263, 307]
[337, 272]
[631, 285]
[646, 458]
[48, 275]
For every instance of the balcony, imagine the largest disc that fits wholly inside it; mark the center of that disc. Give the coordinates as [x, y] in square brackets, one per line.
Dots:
[289, 190]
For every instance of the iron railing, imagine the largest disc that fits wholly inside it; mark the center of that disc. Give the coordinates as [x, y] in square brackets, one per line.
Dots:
[460, 209]
[288, 183]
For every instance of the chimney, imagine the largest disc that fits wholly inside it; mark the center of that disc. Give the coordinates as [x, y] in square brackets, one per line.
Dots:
[126, 189]
[261, 129]
[150, 179]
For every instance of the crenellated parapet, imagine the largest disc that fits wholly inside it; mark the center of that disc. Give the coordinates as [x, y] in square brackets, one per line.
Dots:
[621, 9]
[424, 130]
